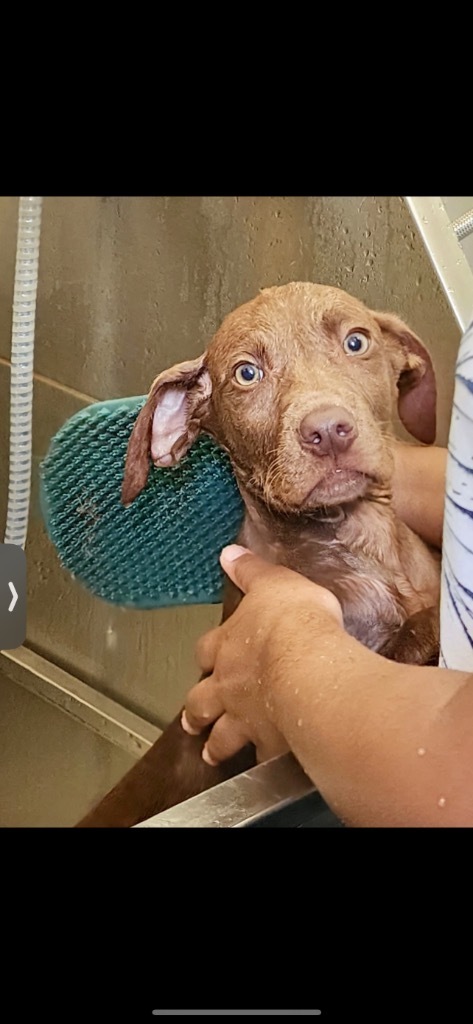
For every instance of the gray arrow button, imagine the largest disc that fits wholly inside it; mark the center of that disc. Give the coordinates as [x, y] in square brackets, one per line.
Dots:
[12, 596]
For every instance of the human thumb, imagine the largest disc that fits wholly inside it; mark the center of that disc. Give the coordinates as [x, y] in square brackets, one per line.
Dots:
[244, 568]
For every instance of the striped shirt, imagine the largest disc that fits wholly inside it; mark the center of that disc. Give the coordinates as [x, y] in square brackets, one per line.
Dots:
[456, 605]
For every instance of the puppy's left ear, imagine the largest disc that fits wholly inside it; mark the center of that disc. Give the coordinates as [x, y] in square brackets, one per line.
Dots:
[417, 401]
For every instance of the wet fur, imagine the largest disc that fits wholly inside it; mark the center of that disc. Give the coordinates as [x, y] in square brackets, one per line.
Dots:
[337, 529]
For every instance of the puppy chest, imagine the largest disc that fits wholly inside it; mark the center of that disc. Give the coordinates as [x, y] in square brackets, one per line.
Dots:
[372, 604]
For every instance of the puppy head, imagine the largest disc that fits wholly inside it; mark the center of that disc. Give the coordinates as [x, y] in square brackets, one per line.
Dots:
[300, 387]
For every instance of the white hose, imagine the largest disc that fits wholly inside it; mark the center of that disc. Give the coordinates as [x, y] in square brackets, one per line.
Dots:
[22, 357]
[463, 226]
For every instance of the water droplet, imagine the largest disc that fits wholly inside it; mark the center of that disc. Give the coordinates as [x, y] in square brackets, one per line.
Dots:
[421, 751]
[247, 640]
[299, 721]
[296, 690]
[442, 801]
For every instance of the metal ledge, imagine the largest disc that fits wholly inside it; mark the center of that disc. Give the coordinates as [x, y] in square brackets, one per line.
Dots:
[247, 799]
[446, 254]
[241, 801]
[102, 715]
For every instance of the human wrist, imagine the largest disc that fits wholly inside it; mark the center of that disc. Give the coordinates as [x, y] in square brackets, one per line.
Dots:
[291, 654]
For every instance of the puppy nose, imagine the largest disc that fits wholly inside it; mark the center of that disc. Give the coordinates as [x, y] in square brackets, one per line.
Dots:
[328, 431]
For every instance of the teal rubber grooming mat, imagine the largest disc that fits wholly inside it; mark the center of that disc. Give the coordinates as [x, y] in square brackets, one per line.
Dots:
[164, 548]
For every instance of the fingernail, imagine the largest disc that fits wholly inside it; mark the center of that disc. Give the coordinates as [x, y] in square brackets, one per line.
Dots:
[188, 728]
[207, 758]
[233, 552]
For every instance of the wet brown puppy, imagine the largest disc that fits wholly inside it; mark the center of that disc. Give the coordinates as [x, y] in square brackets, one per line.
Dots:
[300, 387]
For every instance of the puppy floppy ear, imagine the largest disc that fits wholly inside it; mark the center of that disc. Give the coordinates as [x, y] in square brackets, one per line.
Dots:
[417, 392]
[168, 423]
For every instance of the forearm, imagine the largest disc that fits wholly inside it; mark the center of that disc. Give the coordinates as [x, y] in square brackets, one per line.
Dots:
[419, 489]
[386, 744]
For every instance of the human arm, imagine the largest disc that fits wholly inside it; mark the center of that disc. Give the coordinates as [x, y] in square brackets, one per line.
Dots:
[386, 744]
[419, 489]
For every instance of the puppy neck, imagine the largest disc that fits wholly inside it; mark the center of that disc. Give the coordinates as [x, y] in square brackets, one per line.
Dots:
[325, 519]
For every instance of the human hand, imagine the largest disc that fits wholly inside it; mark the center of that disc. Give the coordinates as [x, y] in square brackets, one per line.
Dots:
[278, 608]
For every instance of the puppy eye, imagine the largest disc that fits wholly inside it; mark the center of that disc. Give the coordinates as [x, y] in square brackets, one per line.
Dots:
[356, 344]
[247, 374]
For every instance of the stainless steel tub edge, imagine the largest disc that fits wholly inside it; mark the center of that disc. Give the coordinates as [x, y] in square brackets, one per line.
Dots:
[242, 800]
[106, 717]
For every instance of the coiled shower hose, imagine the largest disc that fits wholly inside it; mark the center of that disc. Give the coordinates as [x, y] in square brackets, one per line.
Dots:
[22, 357]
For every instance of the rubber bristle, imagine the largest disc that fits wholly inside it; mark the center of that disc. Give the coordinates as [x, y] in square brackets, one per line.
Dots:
[164, 548]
